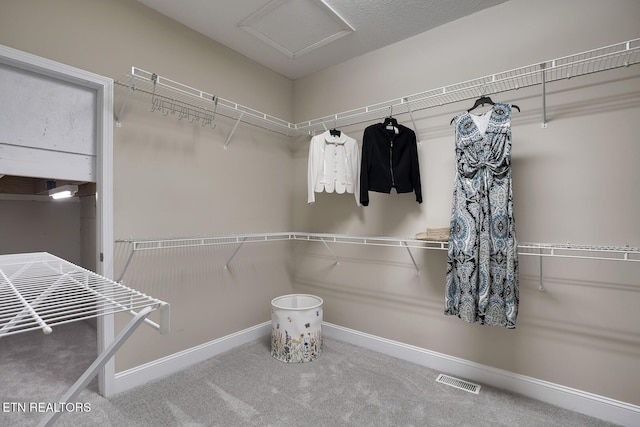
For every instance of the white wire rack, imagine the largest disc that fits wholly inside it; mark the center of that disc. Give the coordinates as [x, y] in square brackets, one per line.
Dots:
[188, 242]
[173, 98]
[183, 102]
[542, 250]
[601, 59]
[568, 250]
[151, 244]
[402, 242]
[41, 291]
[564, 250]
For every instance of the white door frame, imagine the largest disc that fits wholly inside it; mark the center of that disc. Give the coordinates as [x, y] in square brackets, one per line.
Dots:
[104, 177]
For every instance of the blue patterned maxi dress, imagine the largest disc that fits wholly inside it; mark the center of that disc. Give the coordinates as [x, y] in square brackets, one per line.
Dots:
[482, 270]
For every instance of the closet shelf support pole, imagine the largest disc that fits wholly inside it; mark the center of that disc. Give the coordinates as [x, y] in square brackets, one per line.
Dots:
[544, 95]
[412, 258]
[415, 129]
[126, 265]
[226, 265]
[130, 90]
[330, 251]
[226, 144]
[96, 366]
[541, 285]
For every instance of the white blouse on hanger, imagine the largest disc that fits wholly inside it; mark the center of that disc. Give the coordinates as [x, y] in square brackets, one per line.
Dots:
[334, 165]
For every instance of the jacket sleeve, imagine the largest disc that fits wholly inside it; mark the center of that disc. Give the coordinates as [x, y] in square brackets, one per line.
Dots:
[311, 172]
[354, 166]
[364, 169]
[415, 170]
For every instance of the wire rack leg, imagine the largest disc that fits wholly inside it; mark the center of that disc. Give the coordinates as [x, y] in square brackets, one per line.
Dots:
[92, 370]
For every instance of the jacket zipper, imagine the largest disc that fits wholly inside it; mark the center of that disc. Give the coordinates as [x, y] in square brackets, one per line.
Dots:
[393, 181]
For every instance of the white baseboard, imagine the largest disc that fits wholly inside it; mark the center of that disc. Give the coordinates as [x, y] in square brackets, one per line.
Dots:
[565, 397]
[600, 407]
[177, 362]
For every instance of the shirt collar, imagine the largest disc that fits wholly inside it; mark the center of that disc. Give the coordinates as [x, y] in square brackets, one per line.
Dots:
[330, 139]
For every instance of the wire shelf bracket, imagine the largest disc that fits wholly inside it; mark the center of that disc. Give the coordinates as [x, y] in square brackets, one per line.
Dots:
[226, 143]
[130, 89]
[415, 265]
[410, 111]
[541, 285]
[226, 264]
[337, 261]
[544, 95]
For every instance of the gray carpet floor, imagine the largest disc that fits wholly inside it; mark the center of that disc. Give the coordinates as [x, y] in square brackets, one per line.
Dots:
[346, 386]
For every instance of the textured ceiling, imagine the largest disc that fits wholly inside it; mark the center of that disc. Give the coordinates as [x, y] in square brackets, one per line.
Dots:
[377, 23]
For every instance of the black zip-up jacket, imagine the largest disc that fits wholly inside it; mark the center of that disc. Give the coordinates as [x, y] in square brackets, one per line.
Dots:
[389, 160]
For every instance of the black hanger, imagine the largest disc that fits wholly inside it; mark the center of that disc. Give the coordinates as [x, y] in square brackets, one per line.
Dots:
[390, 121]
[487, 100]
[334, 132]
[481, 102]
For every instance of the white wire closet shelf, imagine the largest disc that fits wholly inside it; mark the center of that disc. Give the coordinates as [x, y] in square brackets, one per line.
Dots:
[563, 250]
[41, 291]
[608, 253]
[541, 250]
[173, 98]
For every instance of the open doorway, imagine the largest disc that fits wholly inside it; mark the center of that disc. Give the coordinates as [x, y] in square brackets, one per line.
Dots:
[56, 123]
[32, 220]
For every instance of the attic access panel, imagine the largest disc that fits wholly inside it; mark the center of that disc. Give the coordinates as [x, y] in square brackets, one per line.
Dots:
[296, 27]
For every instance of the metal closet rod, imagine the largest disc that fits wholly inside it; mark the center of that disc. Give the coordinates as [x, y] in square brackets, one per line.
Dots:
[541, 250]
[601, 59]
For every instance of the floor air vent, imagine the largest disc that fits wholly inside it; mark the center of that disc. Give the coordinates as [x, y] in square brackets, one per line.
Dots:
[458, 383]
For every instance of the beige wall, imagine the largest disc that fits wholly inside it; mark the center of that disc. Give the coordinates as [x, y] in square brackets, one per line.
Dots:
[574, 181]
[174, 179]
[35, 224]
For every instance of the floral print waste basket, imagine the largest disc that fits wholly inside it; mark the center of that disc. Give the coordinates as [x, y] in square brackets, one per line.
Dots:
[296, 328]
